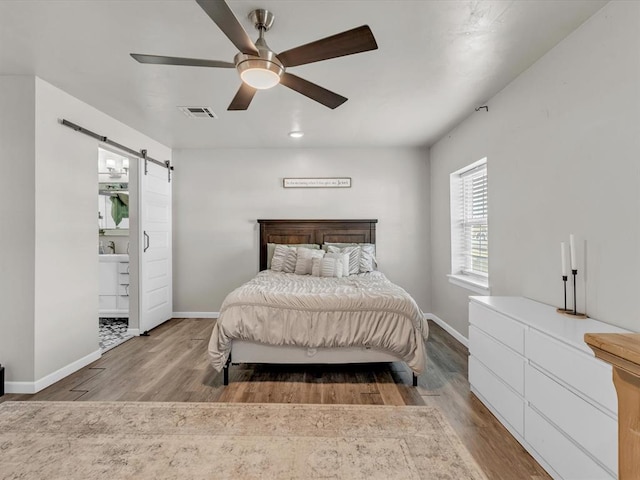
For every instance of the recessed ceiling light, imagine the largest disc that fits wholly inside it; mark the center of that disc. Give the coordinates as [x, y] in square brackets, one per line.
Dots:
[296, 134]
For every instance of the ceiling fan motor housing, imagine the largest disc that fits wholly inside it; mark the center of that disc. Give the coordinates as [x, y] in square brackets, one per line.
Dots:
[262, 19]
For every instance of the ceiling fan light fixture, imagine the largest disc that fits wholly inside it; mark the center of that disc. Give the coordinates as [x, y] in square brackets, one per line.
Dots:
[259, 73]
[260, 78]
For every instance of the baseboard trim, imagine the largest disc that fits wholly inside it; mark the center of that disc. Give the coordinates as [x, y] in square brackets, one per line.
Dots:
[448, 328]
[135, 332]
[196, 314]
[44, 382]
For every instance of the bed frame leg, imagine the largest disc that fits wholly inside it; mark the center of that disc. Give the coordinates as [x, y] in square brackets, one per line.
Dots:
[415, 380]
[225, 371]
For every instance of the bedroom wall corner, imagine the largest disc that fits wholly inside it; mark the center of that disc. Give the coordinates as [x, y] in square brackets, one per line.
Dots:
[17, 234]
[219, 194]
[561, 142]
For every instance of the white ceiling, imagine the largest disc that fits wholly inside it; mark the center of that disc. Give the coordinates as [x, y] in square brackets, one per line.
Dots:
[436, 62]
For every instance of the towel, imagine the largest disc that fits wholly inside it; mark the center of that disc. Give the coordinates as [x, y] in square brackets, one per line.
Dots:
[119, 207]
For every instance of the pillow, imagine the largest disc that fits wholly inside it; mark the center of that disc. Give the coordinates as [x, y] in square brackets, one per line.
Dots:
[304, 260]
[354, 256]
[284, 259]
[272, 246]
[369, 246]
[327, 267]
[342, 257]
[364, 258]
[315, 266]
[368, 262]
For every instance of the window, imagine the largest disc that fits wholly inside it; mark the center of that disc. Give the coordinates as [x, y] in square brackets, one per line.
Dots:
[469, 227]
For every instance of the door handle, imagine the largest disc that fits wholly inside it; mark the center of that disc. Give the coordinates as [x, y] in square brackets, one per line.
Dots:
[147, 241]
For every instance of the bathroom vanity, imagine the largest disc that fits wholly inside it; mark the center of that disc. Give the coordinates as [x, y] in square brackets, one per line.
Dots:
[114, 285]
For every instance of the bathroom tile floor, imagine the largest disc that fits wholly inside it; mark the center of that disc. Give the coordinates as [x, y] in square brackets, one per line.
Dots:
[113, 331]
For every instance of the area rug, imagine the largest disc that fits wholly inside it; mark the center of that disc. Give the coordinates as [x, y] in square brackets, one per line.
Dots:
[135, 440]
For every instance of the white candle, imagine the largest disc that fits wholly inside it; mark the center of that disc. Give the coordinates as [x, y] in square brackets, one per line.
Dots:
[572, 252]
[563, 256]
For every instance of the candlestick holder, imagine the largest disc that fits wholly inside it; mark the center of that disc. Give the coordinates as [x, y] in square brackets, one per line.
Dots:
[571, 312]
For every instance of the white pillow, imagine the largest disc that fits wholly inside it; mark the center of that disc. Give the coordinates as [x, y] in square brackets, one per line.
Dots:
[304, 260]
[354, 256]
[327, 267]
[366, 255]
[284, 259]
[272, 246]
[343, 257]
[315, 266]
[368, 260]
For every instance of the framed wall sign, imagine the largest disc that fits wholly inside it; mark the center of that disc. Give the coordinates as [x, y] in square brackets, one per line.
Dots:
[323, 182]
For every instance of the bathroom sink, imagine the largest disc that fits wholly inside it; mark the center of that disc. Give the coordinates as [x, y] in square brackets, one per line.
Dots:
[113, 257]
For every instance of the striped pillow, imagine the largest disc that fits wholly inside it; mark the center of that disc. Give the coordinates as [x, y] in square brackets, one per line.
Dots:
[284, 259]
[364, 258]
[272, 246]
[304, 261]
[327, 267]
[354, 256]
[368, 260]
[344, 258]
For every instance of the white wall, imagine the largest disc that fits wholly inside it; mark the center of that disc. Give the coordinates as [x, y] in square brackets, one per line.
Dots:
[17, 232]
[56, 235]
[66, 301]
[562, 143]
[219, 194]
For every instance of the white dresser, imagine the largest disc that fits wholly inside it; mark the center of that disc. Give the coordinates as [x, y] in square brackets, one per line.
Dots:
[113, 286]
[530, 366]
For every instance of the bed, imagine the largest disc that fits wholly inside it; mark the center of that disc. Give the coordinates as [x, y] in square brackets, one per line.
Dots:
[286, 318]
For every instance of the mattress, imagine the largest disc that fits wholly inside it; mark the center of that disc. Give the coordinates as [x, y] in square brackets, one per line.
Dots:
[284, 309]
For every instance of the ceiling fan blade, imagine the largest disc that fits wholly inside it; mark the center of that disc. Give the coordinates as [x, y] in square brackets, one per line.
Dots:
[190, 62]
[222, 15]
[243, 97]
[352, 41]
[313, 91]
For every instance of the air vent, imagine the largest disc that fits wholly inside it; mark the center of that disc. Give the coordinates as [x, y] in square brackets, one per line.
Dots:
[198, 112]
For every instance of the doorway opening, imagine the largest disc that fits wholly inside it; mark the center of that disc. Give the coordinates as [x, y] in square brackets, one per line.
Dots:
[114, 247]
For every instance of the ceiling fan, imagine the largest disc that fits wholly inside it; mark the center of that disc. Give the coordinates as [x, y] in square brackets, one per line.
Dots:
[259, 67]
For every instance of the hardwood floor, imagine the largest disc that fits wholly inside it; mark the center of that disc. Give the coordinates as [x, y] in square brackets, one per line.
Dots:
[172, 365]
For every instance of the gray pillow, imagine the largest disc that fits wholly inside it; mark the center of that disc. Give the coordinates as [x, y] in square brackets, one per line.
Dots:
[367, 255]
[271, 247]
[354, 253]
[282, 258]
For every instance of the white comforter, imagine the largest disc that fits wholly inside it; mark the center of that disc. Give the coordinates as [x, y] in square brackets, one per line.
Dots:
[304, 311]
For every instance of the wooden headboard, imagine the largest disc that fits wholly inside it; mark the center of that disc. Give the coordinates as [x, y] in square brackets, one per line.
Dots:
[314, 231]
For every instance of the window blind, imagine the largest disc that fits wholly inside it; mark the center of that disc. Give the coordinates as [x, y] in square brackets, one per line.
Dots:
[474, 227]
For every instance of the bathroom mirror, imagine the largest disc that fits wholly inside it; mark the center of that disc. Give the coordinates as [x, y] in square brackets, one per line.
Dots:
[113, 194]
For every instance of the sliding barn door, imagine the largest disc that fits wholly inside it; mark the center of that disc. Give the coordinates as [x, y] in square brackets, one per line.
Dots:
[156, 285]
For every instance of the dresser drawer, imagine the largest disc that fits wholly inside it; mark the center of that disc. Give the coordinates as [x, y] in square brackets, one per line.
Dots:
[502, 361]
[583, 372]
[503, 329]
[123, 290]
[501, 398]
[123, 267]
[591, 428]
[123, 279]
[559, 452]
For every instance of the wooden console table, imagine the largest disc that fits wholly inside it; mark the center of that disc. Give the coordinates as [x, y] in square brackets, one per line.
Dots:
[622, 351]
